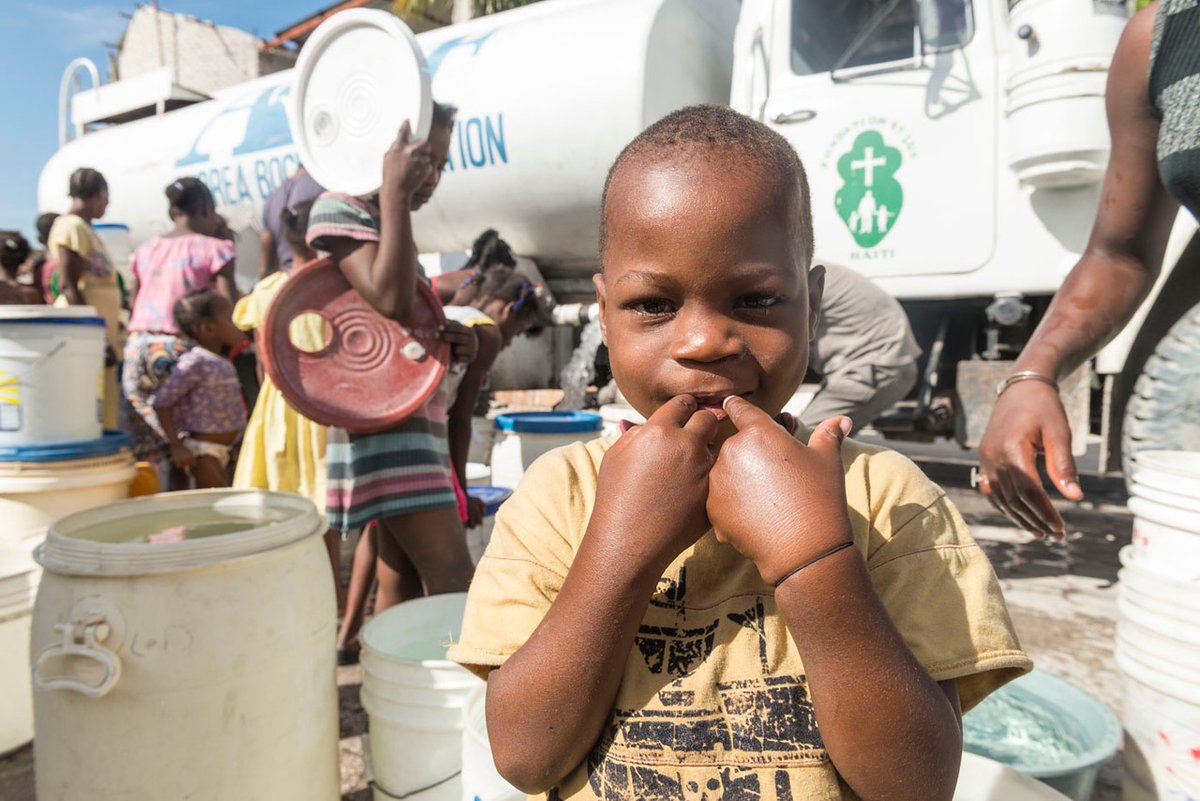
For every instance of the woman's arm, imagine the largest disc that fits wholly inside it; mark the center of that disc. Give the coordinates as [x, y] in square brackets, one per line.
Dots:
[385, 273]
[1105, 288]
[459, 418]
[226, 281]
[70, 272]
[268, 256]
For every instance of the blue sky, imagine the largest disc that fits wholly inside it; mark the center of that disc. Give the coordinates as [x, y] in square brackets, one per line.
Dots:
[43, 36]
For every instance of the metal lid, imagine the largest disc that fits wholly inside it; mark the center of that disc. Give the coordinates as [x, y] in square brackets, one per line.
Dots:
[549, 422]
[359, 76]
[372, 372]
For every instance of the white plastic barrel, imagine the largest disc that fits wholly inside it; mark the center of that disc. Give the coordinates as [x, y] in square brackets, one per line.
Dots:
[522, 437]
[1158, 651]
[19, 576]
[480, 779]
[1165, 501]
[40, 483]
[414, 699]
[51, 374]
[479, 536]
[183, 647]
[1058, 132]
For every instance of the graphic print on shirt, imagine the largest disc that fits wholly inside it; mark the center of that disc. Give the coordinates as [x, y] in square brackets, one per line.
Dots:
[705, 737]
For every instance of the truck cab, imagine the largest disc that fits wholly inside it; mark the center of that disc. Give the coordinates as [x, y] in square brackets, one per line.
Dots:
[955, 150]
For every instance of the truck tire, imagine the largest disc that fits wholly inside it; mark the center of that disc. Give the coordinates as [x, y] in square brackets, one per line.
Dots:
[1164, 409]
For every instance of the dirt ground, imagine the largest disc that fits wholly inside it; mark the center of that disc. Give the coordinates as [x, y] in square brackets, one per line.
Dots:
[1062, 597]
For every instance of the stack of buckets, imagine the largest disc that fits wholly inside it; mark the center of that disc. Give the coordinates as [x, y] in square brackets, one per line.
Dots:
[54, 460]
[1158, 629]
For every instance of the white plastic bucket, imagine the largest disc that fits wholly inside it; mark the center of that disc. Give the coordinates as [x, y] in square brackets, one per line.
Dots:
[522, 437]
[478, 474]
[1165, 501]
[1058, 136]
[613, 414]
[183, 647]
[51, 374]
[19, 576]
[1158, 651]
[983, 779]
[41, 483]
[414, 699]
[479, 536]
[480, 779]
[1176, 472]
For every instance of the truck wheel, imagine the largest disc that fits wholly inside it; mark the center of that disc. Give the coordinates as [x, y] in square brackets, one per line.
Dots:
[1164, 409]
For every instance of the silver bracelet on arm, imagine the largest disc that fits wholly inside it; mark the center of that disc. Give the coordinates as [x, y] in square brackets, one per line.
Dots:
[1025, 375]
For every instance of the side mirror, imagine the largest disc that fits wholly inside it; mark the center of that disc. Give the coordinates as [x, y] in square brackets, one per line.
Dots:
[944, 25]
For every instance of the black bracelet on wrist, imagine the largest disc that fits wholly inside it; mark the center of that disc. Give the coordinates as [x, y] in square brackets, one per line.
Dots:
[839, 547]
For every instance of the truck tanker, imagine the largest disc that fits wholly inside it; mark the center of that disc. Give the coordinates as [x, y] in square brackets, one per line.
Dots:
[954, 148]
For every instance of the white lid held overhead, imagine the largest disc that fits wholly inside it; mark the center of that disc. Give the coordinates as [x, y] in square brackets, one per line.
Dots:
[360, 75]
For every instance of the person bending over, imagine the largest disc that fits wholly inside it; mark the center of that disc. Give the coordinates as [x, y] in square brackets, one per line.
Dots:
[200, 406]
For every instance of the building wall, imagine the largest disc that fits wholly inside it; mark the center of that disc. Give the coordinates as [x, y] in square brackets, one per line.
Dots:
[203, 57]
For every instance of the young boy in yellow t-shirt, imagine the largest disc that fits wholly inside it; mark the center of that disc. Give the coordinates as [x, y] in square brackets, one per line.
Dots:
[710, 606]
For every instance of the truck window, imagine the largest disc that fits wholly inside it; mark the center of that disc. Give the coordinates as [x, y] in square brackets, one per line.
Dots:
[823, 31]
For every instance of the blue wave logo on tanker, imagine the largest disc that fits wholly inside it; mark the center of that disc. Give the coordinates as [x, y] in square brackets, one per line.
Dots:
[223, 154]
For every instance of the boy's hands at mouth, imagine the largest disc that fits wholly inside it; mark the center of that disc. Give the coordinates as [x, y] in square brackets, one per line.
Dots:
[653, 482]
[778, 501]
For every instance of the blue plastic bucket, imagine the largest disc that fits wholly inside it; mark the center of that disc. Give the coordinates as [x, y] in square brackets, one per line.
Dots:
[1047, 728]
[521, 437]
[478, 537]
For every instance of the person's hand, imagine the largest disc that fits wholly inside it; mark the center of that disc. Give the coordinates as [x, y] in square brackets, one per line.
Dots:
[778, 501]
[463, 343]
[475, 510]
[653, 483]
[1028, 419]
[181, 456]
[406, 165]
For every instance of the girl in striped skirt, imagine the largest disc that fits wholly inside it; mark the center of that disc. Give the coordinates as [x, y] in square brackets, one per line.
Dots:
[400, 477]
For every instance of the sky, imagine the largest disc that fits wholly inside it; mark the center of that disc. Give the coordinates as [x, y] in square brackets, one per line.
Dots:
[43, 36]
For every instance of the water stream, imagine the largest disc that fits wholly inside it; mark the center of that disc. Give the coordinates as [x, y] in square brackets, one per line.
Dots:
[580, 370]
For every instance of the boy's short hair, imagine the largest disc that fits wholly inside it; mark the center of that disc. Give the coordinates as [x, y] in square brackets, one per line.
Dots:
[194, 308]
[681, 133]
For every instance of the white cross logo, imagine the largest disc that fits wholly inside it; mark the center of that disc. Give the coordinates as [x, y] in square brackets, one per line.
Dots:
[868, 163]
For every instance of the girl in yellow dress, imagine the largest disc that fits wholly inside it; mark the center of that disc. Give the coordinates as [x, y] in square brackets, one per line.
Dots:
[282, 449]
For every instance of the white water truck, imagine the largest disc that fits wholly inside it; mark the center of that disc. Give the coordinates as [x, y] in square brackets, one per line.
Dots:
[955, 150]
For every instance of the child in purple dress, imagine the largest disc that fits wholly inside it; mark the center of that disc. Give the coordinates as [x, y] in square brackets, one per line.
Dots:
[200, 406]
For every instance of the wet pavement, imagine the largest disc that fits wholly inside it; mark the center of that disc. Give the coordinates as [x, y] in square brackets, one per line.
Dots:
[1062, 597]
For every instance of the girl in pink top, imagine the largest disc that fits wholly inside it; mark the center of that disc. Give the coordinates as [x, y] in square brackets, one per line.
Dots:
[165, 269]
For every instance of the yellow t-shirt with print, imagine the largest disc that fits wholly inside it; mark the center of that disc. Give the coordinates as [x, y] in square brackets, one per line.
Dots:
[714, 703]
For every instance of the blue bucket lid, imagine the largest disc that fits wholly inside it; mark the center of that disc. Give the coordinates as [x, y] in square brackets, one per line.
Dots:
[550, 422]
[492, 497]
[66, 450]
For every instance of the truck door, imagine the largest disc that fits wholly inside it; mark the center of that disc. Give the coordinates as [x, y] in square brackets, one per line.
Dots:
[891, 105]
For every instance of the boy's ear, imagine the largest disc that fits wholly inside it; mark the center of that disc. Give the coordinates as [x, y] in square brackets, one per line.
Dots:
[598, 281]
[816, 290]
